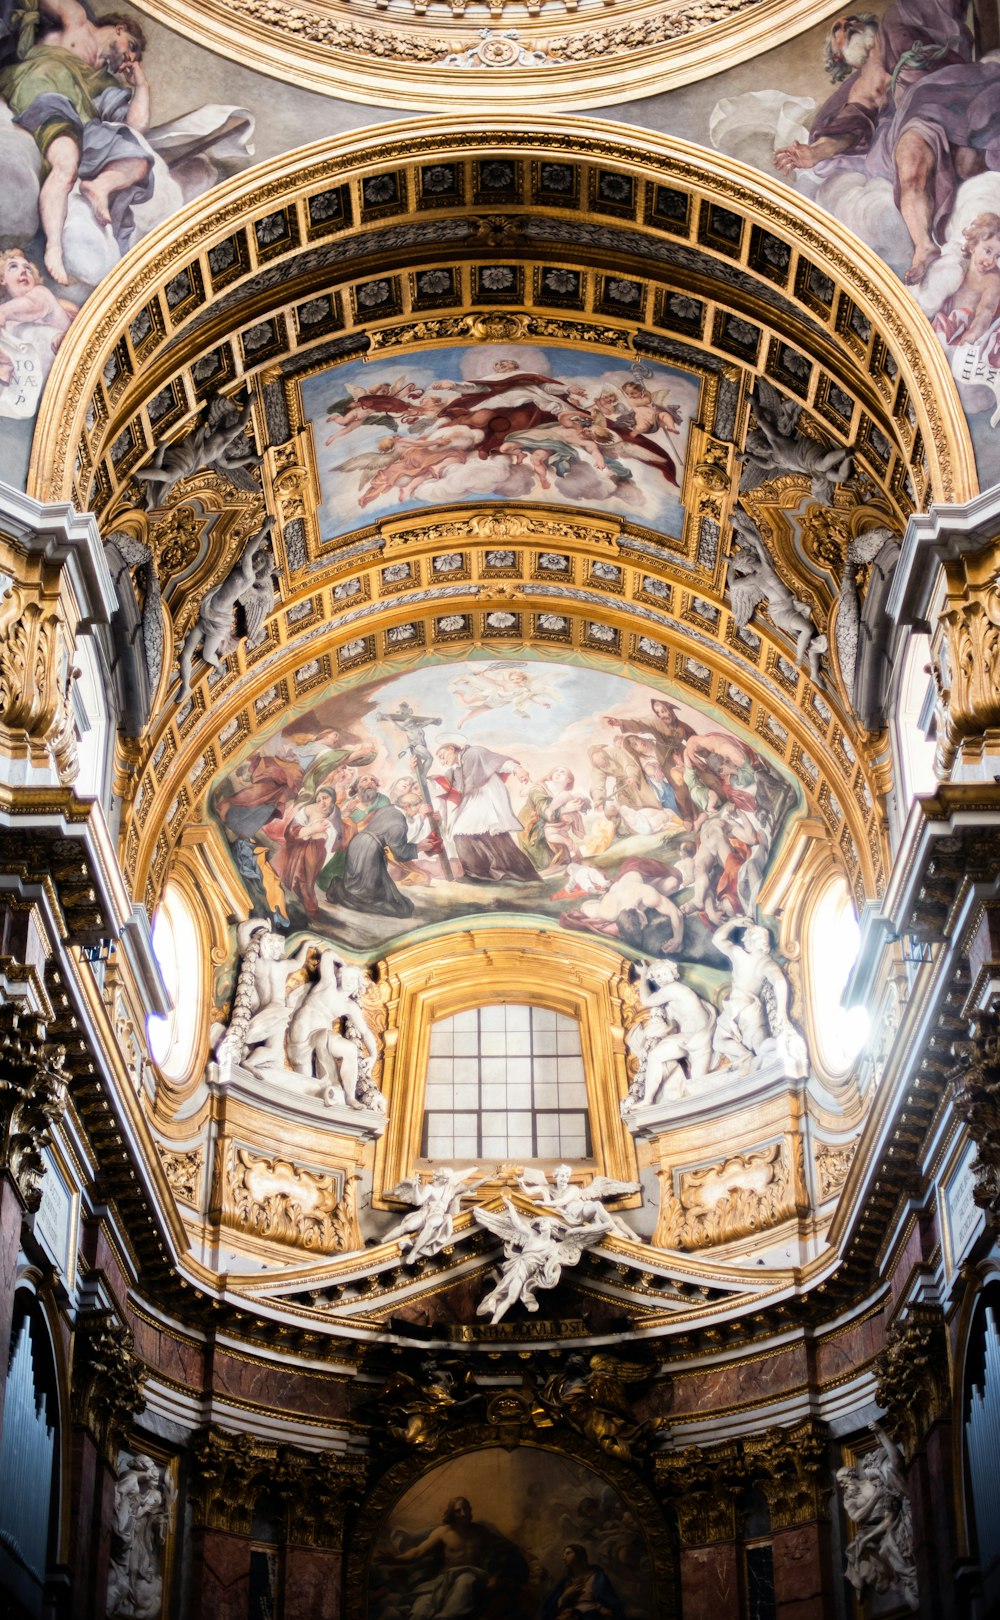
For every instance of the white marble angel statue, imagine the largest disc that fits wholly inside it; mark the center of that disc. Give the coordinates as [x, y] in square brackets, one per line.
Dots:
[774, 447]
[674, 1043]
[580, 1206]
[876, 1497]
[237, 607]
[535, 1251]
[430, 1225]
[751, 578]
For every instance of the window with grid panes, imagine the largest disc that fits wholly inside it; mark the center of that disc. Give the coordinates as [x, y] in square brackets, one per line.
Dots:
[506, 1083]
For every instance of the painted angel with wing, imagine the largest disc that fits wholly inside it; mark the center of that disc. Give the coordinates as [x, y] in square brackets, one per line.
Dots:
[373, 407]
[751, 578]
[430, 1224]
[535, 1250]
[775, 447]
[238, 606]
[580, 1206]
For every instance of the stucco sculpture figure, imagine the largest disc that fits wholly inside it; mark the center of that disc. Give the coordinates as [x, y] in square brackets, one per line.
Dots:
[259, 1019]
[751, 578]
[430, 1225]
[876, 1497]
[580, 1206]
[236, 607]
[329, 1037]
[300, 1015]
[753, 1020]
[143, 1499]
[774, 447]
[674, 1043]
[217, 442]
[535, 1251]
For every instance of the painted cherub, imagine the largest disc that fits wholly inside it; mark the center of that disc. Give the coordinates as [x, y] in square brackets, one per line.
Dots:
[26, 302]
[968, 312]
[502, 686]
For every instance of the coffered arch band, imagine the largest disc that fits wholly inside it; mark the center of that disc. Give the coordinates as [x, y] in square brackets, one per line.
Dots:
[262, 246]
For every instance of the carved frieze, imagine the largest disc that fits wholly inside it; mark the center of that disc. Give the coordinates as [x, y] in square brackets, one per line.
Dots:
[274, 1198]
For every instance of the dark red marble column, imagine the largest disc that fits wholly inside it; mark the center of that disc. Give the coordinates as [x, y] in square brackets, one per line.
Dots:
[92, 1495]
[934, 1542]
[220, 1584]
[313, 1580]
[710, 1581]
[802, 1572]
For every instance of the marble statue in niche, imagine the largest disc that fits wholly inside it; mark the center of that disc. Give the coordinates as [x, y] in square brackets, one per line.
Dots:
[876, 1498]
[142, 1512]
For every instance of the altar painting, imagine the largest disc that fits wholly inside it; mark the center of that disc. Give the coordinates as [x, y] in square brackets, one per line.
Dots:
[496, 1533]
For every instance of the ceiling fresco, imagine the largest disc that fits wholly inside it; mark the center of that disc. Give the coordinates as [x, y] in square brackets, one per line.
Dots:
[502, 421]
[547, 790]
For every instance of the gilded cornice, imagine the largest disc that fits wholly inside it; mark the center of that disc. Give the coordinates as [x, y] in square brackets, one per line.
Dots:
[432, 55]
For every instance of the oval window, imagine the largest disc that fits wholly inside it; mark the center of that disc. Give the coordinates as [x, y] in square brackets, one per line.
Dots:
[834, 941]
[177, 948]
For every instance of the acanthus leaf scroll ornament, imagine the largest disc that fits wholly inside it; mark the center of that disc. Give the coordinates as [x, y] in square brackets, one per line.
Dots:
[702, 1487]
[914, 1384]
[107, 1377]
[183, 1171]
[278, 1200]
[789, 1465]
[976, 1099]
[833, 1160]
[33, 1096]
[36, 677]
[966, 654]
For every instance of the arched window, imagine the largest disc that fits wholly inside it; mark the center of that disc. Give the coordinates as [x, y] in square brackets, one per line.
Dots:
[177, 947]
[28, 1450]
[506, 1082]
[913, 726]
[833, 941]
[88, 698]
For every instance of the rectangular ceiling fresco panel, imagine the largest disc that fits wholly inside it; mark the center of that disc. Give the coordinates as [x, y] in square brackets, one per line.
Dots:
[551, 791]
[500, 422]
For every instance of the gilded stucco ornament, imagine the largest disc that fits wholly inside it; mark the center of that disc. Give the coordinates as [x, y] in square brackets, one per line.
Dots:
[729, 1199]
[107, 1377]
[966, 654]
[33, 1096]
[976, 1098]
[913, 1385]
[284, 1202]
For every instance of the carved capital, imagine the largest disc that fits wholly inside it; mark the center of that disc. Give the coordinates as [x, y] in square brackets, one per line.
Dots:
[33, 1092]
[231, 1471]
[976, 1098]
[702, 1487]
[913, 1377]
[318, 1489]
[967, 652]
[107, 1378]
[790, 1467]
